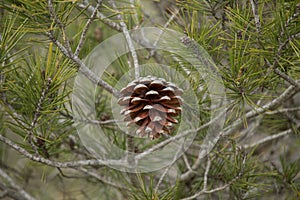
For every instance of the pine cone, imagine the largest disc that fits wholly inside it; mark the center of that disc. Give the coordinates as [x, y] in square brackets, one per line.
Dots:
[151, 103]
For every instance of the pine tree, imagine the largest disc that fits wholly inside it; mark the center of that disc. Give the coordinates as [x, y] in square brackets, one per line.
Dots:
[250, 49]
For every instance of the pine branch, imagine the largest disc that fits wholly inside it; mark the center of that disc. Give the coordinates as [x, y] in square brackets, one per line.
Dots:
[66, 50]
[205, 191]
[276, 60]
[288, 93]
[60, 24]
[82, 67]
[186, 162]
[37, 113]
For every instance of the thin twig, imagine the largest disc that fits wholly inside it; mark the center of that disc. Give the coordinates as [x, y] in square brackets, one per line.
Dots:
[285, 77]
[70, 164]
[152, 52]
[287, 23]
[101, 16]
[166, 26]
[15, 186]
[289, 92]
[186, 162]
[116, 26]
[206, 173]
[176, 137]
[86, 28]
[132, 5]
[37, 113]
[292, 118]
[92, 121]
[83, 68]
[204, 191]
[60, 24]
[101, 179]
[283, 110]
[273, 66]
[268, 139]
[162, 177]
[66, 50]
[2, 76]
[281, 46]
[256, 16]
[128, 39]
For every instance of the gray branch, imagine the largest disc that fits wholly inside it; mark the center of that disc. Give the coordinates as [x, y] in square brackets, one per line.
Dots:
[83, 68]
[128, 39]
[70, 164]
[23, 194]
[86, 28]
[205, 191]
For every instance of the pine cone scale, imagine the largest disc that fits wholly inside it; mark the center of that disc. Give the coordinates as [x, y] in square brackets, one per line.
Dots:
[151, 103]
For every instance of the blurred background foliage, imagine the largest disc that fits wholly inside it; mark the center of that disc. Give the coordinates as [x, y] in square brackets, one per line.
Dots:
[246, 42]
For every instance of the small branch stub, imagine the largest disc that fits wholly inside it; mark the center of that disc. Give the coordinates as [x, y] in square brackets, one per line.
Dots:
[151, 103]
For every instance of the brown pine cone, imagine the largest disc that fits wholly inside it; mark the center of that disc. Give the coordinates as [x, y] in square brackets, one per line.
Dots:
[151, 103]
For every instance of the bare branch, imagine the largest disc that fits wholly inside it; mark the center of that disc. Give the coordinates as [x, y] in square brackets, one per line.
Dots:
[284, 110]
[281, 46]
[152, 52]
[143, 42]
[71, 164]
[101, 16]
[175, 13]
[256, 17]
[294, 16]
[277, 57]
[92, 121]
[285, 77]
[168, 168]
[206, 173]
[68, 53]
[186, 162]
[101, 179]
[268, 139]
[15, 186]
[171, 139]
[132, 5]
[86, 28]
[162, 177]
[129, 40]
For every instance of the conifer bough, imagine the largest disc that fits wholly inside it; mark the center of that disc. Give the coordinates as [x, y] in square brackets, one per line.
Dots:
[152, 104]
